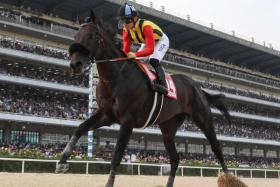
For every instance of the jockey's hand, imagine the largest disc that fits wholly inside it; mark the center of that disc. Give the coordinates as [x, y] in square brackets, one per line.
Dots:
[131, 55]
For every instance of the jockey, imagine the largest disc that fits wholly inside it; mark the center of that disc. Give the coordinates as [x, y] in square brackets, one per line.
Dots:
[154, 42]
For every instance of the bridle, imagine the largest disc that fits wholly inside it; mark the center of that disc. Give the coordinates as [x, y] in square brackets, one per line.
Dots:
[99, 39]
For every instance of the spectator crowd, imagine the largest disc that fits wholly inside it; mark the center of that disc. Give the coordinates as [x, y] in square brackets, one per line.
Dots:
[43, 103]
[34, 21]
[31, 47]
[222, 70]
[240, 127]
[61, 76]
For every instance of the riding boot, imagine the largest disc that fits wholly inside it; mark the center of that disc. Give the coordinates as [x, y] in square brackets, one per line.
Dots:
[161, 86]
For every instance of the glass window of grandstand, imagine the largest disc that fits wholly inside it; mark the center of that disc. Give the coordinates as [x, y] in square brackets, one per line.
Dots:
[229, 150]
[25, 137]
[49, 138]
[208, 150]
[244, 151]
[109, 143]
[83, 141]
[271, 154]
[180, 147]
[157, 146]
[1, 135]
[195, 148]
[55, 138]
[258, 153]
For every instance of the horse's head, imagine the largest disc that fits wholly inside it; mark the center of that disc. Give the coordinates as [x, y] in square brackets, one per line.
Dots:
[88, 44]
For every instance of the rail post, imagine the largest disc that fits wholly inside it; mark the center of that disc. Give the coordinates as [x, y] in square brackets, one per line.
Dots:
[22, 166]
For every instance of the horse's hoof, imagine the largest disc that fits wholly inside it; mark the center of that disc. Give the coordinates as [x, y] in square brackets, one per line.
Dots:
[109, 185]
[61, 168]
[170, 182]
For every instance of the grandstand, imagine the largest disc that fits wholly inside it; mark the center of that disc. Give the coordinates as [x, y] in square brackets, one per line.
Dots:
[41, 102]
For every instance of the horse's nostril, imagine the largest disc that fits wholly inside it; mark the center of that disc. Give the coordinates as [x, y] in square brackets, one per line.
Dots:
[79, 64]
[72, 66]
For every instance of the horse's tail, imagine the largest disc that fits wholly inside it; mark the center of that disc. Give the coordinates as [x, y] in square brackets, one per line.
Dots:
[217, 101]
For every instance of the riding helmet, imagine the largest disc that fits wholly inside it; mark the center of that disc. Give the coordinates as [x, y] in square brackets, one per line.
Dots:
[126, 12]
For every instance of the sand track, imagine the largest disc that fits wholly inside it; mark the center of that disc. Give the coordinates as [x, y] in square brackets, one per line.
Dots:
[77, 180]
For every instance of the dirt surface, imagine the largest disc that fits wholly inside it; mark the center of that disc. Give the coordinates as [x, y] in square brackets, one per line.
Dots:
[70, 180]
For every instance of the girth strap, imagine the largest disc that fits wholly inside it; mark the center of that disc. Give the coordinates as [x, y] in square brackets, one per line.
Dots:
[155, 110]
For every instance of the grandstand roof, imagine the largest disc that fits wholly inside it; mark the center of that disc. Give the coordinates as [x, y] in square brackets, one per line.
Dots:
[183, 34]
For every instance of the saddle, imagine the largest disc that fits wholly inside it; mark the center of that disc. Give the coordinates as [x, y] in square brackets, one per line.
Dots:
[151, 75]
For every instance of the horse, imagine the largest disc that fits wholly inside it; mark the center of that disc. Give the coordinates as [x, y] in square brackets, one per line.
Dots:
[124, 96]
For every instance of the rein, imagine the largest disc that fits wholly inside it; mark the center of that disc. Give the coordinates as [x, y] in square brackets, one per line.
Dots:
[112, 60]
[93, 61]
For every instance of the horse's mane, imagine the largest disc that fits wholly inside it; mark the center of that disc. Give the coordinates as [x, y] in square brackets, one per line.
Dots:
[112, 34]
[107, 30]
[106, 27]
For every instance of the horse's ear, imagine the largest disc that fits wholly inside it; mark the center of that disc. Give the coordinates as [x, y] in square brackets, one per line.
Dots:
[79, 20]
[92, 16]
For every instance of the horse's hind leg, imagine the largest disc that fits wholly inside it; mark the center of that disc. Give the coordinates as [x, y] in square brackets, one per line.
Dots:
[202, 117]
[94, 122]
[168, 129]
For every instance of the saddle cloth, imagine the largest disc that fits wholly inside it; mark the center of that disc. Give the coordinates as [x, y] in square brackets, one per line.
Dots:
[172, 93]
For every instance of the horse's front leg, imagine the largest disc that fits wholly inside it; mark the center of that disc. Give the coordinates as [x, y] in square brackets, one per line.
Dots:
[97, 120]
[123, 139]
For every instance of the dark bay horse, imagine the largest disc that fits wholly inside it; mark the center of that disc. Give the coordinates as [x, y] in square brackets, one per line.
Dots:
[124, 96]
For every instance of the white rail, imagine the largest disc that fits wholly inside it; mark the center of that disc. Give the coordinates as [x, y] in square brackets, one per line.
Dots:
[139, 165]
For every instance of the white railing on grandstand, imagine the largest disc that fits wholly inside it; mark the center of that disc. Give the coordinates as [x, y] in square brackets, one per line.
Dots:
[139, 165]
